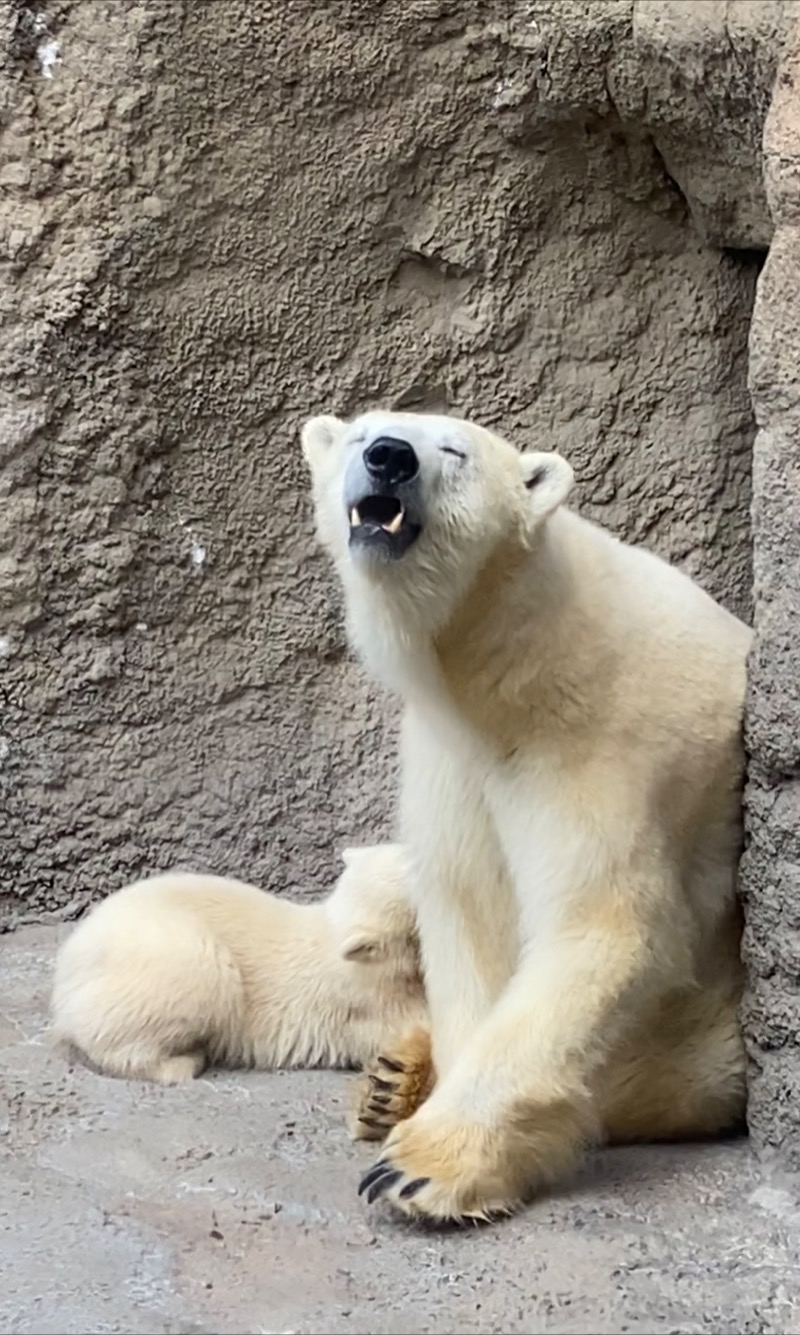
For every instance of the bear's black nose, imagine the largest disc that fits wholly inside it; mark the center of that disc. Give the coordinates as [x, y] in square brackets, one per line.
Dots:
[391, 462]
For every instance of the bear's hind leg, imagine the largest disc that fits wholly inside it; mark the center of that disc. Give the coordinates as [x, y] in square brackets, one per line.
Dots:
[682, 1076]
[138, 1061]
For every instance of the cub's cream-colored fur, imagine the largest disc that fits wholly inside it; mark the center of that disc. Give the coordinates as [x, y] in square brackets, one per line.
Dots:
[181, 971]
[571, 776]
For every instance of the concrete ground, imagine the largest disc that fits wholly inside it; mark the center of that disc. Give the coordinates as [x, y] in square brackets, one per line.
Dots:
[231, 1207]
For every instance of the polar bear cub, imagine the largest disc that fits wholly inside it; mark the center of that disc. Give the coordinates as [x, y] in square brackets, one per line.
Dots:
[180, 971]
[571, 778]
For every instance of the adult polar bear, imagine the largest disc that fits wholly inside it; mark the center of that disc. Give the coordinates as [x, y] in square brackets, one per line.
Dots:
[571, 775]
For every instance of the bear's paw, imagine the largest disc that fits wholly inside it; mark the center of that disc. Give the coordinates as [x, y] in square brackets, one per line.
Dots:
[393, 1087]
[441, 1170]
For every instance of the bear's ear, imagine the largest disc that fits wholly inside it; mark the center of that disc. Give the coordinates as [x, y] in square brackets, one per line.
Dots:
[352, 855]
[548, 478]
[363, 946]
[317, 436]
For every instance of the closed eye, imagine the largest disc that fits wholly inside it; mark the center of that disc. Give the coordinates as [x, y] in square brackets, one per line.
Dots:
[450, 449]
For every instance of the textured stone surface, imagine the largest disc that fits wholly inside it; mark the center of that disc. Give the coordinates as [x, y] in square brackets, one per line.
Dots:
[231, 1207]
[710, 72]
[771, 866]
[218, 218]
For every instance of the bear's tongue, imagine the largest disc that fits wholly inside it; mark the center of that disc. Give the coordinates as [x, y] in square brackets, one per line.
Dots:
[383, 512]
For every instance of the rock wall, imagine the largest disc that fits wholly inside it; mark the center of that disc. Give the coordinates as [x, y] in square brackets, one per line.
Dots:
[218, 218]
[771, 865]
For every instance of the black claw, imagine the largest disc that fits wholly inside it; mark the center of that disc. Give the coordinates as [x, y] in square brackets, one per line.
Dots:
[372, 1173]
[378, 1179]
[383, 1184]
[380, 1100]
[411, 1188]
[371, 1123]
[385, 1086]
[391, 1065]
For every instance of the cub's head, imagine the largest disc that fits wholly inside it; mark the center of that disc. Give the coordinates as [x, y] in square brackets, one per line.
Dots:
[413, 506]
[369, 913]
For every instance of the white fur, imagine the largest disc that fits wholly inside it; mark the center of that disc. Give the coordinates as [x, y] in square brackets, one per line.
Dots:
[572, 766]
[182, 970]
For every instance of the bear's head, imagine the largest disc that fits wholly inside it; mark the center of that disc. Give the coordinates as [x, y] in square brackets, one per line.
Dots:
[369, 913]
[411, 508]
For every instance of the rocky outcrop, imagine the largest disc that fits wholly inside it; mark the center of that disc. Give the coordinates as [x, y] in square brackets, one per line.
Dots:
[216, 219]
[771, 866]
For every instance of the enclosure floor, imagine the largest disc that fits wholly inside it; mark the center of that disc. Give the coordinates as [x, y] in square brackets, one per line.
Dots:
[231, 1207]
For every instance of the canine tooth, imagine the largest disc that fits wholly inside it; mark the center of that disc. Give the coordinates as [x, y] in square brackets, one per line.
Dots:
[394, 527]
[355, 517]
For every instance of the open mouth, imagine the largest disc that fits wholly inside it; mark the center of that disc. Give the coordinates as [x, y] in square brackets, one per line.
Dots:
[384, 512]
[381, 521]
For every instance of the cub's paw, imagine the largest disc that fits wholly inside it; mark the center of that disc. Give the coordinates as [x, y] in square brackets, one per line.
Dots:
[392, 1087]
[179, 1070]
[442, 1170]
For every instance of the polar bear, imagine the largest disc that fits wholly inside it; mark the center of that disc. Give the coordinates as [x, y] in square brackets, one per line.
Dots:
[572, 767]
[182, 970]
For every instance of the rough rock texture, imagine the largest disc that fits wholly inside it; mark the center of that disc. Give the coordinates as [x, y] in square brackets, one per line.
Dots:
[771, 866]
[230, 1208]
[217, 218]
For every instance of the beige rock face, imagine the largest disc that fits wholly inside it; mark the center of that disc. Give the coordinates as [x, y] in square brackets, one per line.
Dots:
[216, 219]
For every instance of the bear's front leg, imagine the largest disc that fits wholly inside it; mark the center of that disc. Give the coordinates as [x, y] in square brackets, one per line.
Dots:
[514, 1113]
[461, 891]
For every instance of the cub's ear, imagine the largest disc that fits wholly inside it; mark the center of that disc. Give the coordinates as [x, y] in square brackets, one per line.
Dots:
[317, 436]
[350, 856]
[548, 478]
[363, 946]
